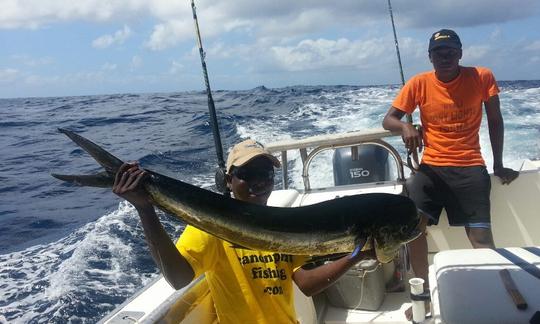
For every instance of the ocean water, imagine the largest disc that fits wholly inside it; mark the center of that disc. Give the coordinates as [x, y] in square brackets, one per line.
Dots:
[72, 254]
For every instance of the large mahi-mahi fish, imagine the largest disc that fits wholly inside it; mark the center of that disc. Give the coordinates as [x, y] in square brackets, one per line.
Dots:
[329, 227]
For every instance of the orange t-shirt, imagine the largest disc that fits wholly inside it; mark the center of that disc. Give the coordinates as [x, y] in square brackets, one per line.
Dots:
[451, 114]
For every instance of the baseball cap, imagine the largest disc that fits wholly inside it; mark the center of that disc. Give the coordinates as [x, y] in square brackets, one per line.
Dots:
[247, 150]
[444, 37]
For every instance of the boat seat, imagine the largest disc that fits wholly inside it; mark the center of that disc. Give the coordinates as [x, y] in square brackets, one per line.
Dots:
[282, 198]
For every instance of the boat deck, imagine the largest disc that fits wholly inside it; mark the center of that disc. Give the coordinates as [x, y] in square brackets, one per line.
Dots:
[392, 311]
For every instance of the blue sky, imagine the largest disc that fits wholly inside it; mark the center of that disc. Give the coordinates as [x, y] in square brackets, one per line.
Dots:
[84, 47]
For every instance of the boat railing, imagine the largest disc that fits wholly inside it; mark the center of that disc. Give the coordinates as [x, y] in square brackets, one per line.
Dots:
[191, 304]
[322, 143]
[181, 305]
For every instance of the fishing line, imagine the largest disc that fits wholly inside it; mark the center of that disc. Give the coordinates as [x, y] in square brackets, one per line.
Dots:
[363, 277]
[413, 164]
[220, 172]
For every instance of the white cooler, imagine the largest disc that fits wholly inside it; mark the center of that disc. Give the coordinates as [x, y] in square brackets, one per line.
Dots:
[466, 287]
[362, 287]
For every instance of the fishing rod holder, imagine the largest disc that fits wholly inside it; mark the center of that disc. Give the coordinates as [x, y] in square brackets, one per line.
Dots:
[418, 299]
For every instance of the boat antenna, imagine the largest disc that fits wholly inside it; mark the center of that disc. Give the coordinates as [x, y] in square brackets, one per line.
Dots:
[413, 164]
[220, 172]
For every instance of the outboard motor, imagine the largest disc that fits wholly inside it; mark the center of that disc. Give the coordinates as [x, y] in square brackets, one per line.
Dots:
[360, 164]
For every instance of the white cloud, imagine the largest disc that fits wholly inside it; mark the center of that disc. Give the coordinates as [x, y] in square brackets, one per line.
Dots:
[476, 52]
[169, 34]
[315, 54]
[8, 75]
[495, 35]
[86, 77]
[262, 39]
[534, 46]
[176, 67]
[324, 54]
[301, 23]
[119, 37]
[259, 18]
[38, 13]
[462, 13]
[136, 62]
[38, 80]
[32, 61]
[108, 67]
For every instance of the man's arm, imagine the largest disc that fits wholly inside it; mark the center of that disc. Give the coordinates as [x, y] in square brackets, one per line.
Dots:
[316, 280]
[496, 136]
[410, 135]
[175, 268]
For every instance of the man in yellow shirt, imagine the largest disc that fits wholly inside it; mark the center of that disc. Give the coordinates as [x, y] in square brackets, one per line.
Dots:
[247, 286]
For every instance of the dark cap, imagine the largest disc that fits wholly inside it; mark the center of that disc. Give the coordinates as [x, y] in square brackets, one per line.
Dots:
[444, 37]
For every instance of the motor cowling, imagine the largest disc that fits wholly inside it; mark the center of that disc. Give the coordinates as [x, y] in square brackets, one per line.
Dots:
[360, 164]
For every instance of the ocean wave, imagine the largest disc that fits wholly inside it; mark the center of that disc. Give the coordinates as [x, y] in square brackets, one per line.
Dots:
[74, 256]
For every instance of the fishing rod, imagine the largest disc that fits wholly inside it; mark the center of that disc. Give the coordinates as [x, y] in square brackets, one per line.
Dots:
[413, 164]
[220, 172]
[402, 263]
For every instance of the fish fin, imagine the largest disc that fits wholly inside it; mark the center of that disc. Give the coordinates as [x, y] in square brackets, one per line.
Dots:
[109, 162]
[102, 179]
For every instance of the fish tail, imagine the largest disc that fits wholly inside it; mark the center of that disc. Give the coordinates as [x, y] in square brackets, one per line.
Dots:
[109, 162]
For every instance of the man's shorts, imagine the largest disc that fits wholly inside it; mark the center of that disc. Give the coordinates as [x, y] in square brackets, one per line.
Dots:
[462, 191]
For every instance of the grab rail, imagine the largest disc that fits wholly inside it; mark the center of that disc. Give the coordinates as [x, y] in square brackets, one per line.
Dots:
[393, 152]
[331, 141]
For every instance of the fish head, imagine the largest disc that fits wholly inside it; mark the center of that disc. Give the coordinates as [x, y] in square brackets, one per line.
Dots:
[388, 238]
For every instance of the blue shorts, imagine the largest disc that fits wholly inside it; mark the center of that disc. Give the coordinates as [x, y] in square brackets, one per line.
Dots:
[462, 191]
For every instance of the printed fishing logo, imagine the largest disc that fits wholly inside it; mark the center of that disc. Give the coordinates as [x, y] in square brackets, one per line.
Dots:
[438, 36]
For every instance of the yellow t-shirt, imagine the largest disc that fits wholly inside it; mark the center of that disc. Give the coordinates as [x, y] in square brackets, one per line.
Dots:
[247, 286]
[451, 114]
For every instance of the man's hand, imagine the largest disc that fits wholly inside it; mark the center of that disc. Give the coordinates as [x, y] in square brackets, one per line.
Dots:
[411, 137]
[358, 255]
[127, 184]
[506, 175]
[409, 133]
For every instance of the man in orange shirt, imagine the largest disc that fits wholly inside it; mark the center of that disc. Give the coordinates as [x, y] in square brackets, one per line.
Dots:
[452, 174]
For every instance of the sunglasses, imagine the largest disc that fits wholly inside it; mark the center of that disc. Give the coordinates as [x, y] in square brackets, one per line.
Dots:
[445, 53]
[253, 174]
